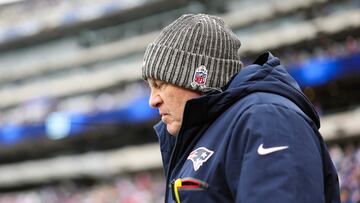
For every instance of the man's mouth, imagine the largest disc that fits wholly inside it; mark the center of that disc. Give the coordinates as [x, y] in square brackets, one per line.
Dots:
[163, 114]
[164, 117]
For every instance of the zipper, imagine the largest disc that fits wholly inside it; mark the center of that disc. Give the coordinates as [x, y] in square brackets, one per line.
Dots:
[172, 168]
[168, 173]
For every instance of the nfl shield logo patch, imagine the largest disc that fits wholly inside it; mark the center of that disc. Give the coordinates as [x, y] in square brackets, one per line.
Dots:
[200, 77]
[199, 156]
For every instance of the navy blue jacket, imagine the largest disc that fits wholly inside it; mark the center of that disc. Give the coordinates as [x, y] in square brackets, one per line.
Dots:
[257, 141]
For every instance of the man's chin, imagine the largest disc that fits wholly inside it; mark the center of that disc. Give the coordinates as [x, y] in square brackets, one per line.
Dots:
[171, 130]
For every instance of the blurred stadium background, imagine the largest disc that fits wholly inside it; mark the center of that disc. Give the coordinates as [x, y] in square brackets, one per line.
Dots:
[74, 120]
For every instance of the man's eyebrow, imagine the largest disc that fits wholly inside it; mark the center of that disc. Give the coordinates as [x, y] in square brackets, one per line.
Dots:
[150, 82]
[159, 82]
[153, 83]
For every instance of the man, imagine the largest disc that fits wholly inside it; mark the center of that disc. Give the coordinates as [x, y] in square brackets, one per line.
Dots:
[227, 135]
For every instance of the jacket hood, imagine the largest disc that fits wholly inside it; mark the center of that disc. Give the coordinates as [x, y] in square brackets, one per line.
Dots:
[264, 75]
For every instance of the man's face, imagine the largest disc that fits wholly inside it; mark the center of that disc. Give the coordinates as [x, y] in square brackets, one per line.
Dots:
[170, 100]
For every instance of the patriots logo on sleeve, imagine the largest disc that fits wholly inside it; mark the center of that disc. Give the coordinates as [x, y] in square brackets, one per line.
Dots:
[199, 156]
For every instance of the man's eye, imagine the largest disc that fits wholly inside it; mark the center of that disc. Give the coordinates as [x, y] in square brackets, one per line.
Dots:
[159, 84]
[156, 85]
[153, 84]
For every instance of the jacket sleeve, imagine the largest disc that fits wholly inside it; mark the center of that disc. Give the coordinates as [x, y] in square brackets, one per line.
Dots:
[258, 171]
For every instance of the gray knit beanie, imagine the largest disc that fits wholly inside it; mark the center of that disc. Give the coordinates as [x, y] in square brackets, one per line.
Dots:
[197, 52]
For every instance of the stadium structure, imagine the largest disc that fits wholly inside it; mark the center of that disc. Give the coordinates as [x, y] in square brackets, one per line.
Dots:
[75, 125]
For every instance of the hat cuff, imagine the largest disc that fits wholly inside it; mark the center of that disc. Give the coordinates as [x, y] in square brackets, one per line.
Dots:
[179, 67]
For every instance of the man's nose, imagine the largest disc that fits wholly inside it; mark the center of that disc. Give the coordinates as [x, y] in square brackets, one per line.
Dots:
[154, 100]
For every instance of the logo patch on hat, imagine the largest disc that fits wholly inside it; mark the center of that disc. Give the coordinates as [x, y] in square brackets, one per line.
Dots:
[200, 77]
[199, 156]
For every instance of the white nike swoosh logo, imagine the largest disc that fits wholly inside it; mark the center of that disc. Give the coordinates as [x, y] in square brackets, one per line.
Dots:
[264, 151]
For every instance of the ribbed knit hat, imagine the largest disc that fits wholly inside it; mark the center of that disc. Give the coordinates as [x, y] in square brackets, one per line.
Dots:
[197, 52]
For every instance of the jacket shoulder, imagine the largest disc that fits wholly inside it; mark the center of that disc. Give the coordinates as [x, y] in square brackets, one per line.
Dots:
[262, 99]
